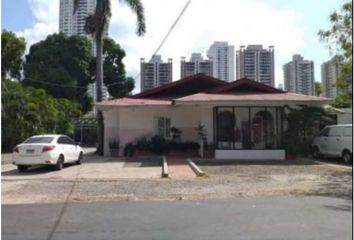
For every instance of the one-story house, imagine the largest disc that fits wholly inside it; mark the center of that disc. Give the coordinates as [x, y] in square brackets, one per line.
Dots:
[243, 119]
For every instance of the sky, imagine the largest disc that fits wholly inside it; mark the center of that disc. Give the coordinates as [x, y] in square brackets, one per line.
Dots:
[291, 26]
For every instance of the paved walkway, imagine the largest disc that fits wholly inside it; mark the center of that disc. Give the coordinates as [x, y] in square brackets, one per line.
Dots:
[179, 169]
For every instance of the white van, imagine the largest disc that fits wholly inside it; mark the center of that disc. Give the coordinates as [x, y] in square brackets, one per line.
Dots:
[334, 141]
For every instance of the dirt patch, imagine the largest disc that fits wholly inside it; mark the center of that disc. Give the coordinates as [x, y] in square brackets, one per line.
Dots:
[225, 181]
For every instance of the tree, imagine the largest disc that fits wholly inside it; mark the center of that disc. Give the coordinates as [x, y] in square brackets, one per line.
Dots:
[12, 50]
[318, 88]
[97, 25]
[340, 38]
[303, 124]
[27, 111]
[114, 71]
[61, 65]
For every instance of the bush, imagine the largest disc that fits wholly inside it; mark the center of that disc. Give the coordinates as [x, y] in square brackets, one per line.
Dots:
[128, 150]
[158, 144]
[143, 144]
[113, 143]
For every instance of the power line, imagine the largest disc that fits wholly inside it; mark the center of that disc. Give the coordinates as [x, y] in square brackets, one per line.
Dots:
[52, 84]
[66, 86]
[170, 29]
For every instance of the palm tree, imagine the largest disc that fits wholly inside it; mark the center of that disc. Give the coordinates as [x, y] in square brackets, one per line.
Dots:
[97, 25]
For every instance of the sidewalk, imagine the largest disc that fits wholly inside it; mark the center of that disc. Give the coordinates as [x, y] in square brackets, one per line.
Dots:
[179, 168]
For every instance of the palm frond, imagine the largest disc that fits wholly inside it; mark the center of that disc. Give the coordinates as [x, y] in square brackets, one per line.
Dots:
[138, 9]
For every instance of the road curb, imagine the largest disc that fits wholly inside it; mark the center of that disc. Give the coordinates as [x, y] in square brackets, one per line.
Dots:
[328, 163]
[164, 167]
[195, 168]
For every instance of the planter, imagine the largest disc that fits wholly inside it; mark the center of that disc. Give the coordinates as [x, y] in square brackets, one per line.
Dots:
[183, 153]
[140, 153]
[114, 152]
[290, 156]
[210, 153]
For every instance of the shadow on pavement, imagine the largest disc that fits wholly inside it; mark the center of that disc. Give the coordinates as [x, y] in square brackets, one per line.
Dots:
[36, 170]
[341, 207]
[215, 162]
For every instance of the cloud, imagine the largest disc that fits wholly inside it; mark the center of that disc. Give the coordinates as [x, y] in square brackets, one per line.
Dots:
[240, 22]
[46, 13]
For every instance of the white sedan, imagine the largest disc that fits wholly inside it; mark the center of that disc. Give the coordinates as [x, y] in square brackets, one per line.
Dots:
[46, 150]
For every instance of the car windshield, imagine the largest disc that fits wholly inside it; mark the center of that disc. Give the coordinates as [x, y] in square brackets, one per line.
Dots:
[39, 140]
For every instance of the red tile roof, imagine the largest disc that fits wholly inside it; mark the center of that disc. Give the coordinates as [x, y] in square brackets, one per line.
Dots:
[202, 88]
[277, 97]
[183, 87]
[125, 102]
[245, 84]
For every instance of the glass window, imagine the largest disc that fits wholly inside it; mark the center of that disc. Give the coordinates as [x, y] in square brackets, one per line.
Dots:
[70, 141]
[225, 127]
[242, 128]
[164, 127]
[258, 122]
[167, 127]
[324, 132]
[348, 131]
[248, 127]
[270, 128]
[39, 140]
[335, 131]
[61, 140]
[280, 127]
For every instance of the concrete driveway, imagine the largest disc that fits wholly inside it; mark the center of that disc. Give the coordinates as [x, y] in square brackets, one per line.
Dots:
[93, 167]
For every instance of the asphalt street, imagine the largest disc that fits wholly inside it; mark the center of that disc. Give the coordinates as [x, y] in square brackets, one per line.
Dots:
[308, 217]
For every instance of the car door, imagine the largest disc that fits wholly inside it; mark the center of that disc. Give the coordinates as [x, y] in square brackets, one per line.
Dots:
[335, 141]
[73, 149]
[347, 138]
[66, 148]
[323, 141]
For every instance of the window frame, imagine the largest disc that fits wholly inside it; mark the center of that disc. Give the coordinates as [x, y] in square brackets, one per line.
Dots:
[165, 132]
[279, 117]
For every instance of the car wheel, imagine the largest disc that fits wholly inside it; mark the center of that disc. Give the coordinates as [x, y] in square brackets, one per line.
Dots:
[316, 153]
[347, 157]
[60, 163]
[22, 168]
[79, 160]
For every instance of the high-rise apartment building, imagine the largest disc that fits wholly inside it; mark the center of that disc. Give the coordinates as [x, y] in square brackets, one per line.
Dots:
[330, 71]
[72, 23]
[223, 56]
[299, 76]
[155, 72]
[196, 65]
[256, 63]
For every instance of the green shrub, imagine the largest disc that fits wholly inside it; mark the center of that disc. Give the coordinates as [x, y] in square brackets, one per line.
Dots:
[143, 144]
[128, 150]
[158, 144]
[113, 143]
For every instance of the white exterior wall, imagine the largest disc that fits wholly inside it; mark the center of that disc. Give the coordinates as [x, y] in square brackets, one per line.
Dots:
[346, 117]
[129, 124]
[206, 118]
[272, 154]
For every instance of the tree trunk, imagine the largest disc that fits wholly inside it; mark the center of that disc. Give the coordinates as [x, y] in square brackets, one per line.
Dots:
[99, 83]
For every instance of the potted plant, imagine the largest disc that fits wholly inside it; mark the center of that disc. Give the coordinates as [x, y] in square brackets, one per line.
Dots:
[114, 147]
[176, 134]
[202, 135]
[128, 150]
[142, 147]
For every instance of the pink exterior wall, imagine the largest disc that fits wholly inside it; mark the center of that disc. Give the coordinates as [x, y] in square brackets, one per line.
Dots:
[128, 124]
